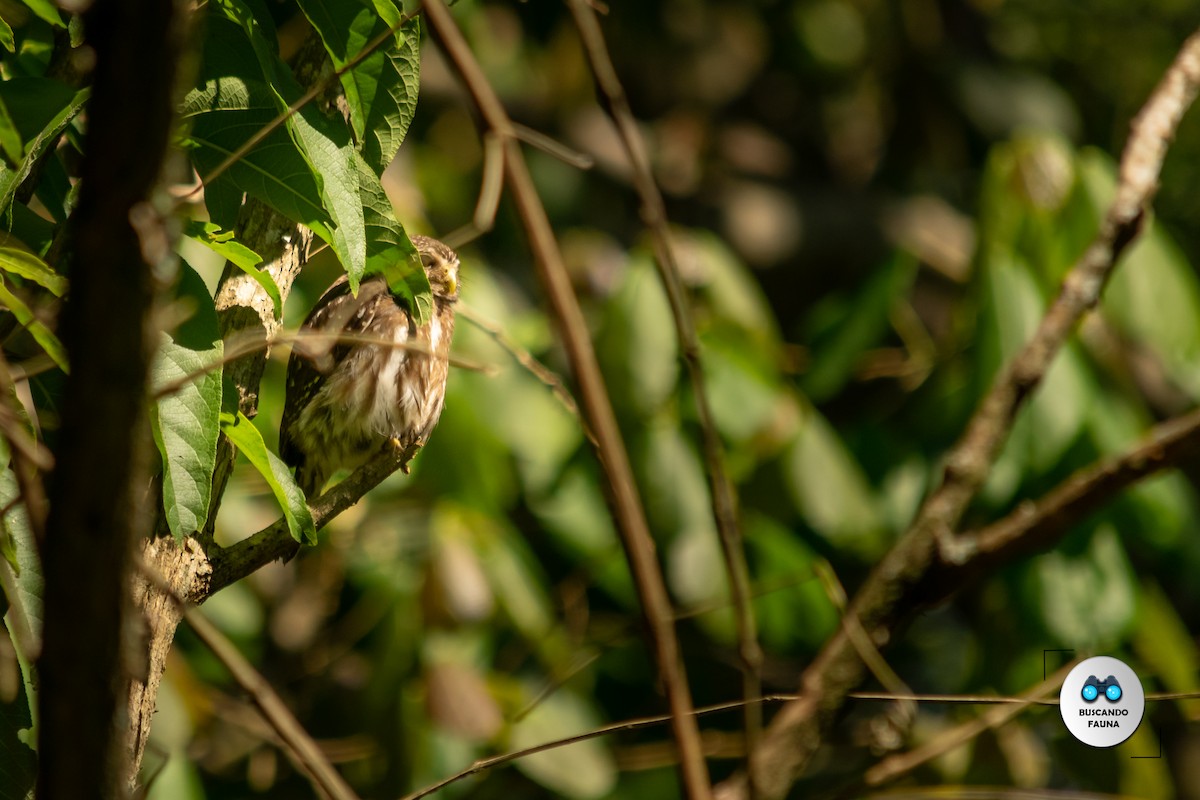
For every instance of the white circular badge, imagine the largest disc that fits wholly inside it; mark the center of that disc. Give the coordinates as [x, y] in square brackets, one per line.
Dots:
[1102, 701]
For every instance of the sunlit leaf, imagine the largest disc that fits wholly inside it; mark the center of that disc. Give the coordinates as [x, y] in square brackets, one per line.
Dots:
[45, 10]
[210, 235]
[637, 346]
[278, 476]
[37, 329]
[41, 94]
[28, 265]
[381, 90]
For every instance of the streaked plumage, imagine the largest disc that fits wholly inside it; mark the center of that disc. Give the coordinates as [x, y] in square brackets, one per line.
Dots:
[345, 399]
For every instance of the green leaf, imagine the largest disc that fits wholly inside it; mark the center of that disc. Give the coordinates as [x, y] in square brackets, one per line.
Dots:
[46, 11]
[28, 265]
[24, 595]
[10, 179]
[582, 771]
[389, 250]
[1086, 601]
[210, 235]
[10, 138]
[186, 422]
[638, 347]
[9, 44]
[246, 438]
[830, 490]
[861, 323]
[381, 90]
[326, 147]
[230, 103]
[41, 334]
[1054, 417]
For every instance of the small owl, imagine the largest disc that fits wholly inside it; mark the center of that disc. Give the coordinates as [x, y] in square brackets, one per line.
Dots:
[346, 399]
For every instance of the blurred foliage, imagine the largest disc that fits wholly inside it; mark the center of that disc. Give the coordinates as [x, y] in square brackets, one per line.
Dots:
[874, 204]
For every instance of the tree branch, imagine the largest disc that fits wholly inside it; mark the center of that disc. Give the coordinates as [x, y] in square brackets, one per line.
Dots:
[797, 730]
[231, 564]
[721, 493]
[625, 503]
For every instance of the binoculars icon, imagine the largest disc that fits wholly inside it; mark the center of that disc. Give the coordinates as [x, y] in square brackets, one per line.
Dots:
[1093, 688]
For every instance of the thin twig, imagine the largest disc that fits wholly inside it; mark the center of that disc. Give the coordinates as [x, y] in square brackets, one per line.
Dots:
[1032, 697]
[291, 733]
[724, 503]
[796, 732]
[896, 765]
[626, 505]
[553, 147]
[250, 342]
[861, 640]
[547, 376]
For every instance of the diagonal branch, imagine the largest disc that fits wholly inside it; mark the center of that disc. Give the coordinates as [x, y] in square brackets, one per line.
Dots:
[724, 504]
[798, 729]
[268, 702]
[625, 503]
[231, 564]
[1037, 526]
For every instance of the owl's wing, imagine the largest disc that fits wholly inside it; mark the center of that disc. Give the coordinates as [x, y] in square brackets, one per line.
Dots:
[313, 359]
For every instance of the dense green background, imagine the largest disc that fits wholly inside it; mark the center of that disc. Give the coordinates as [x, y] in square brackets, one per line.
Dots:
[874, 203]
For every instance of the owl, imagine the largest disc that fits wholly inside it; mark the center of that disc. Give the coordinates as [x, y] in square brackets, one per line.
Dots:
[384, 379]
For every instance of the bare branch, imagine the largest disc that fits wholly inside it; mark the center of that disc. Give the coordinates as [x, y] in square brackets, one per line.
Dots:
[797, 730]
[614, 461]
[1036, 526]
[724, 504]
[273, 542]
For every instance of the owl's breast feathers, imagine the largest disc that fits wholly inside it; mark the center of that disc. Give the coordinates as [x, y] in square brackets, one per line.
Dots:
[363, 372]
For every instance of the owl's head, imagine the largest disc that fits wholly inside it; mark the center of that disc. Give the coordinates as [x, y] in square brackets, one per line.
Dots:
[441, 267]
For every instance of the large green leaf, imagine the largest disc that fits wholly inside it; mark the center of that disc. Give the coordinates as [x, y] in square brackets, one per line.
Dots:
[246, 438]
[637, 344]
[326, 146]
[1154, 294]
[381, 90]
[230, 103]
[186, 422]
[46, 135]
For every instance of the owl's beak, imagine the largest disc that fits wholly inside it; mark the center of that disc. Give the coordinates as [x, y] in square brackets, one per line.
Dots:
[452, 285]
